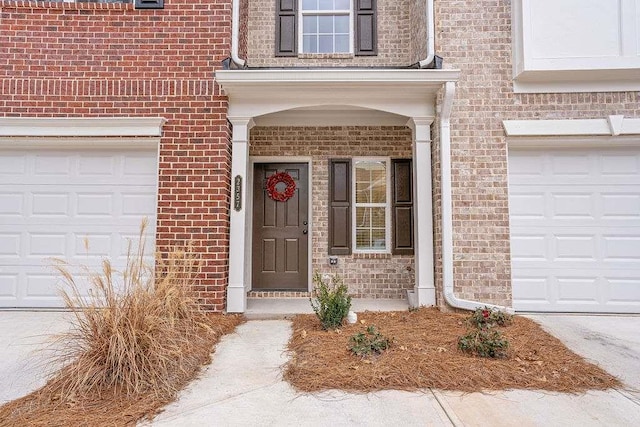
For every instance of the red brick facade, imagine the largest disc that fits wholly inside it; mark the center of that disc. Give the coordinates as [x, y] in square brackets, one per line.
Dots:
[110, 60]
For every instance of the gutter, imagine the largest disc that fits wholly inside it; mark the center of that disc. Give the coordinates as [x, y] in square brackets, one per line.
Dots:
[446, 207]
[431, 46]
[235, 34]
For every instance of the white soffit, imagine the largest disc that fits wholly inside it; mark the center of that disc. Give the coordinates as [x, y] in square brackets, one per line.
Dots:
[610, 126]
[405, 92]
[81, 127]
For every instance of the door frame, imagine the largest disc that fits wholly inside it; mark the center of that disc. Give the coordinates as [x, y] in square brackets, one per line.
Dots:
[249, 249]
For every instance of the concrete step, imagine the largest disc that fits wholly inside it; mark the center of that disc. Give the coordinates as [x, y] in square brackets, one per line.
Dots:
[285, 308]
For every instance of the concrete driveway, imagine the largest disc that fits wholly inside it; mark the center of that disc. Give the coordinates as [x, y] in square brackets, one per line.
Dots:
[243, 385]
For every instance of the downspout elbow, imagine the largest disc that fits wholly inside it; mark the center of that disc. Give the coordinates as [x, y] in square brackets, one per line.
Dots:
[235, 34]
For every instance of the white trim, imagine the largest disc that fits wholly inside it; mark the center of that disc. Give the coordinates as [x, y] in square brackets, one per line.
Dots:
[238, 220]
[67, 143]
[406, 92]
[289, 159]
[85, 126]
[611, 125]
[387, 205]
[424, 286]
[572, 141]
[236, 79]
[343, 117]
[623, 84]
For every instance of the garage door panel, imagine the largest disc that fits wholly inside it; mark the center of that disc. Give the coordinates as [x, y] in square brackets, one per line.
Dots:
[575, 229]
[51, 202]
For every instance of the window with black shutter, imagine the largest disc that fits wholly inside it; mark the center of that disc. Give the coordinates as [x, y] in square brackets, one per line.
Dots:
[326, 27]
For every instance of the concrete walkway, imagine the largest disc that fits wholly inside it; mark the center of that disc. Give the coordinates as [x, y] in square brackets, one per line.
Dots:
[243, 387]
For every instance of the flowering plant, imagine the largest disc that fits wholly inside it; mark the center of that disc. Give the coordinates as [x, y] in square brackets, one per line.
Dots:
[277, 178]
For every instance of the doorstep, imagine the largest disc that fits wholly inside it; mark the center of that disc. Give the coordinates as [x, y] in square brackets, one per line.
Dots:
[285, 308]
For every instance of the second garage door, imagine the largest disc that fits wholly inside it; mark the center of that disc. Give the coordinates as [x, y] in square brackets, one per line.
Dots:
[575, 229]
[52, 200]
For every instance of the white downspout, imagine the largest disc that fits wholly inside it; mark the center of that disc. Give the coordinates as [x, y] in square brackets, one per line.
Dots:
[446, 206]
[431, 43]
[235, 33]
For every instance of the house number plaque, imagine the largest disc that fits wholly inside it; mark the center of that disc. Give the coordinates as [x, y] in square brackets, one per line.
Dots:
[237, 193]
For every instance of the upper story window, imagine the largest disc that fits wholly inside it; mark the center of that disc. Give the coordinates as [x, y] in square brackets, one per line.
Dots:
[326, 27]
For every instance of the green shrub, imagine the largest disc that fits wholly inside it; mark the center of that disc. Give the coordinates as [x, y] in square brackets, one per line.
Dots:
[369, 342]
[332, 301]
[487, 317]
[484, 343]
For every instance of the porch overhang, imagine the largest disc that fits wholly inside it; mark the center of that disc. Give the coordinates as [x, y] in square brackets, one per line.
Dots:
[405, 92]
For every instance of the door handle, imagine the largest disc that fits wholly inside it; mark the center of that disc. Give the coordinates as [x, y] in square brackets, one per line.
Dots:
[304, 231]
[304, 223]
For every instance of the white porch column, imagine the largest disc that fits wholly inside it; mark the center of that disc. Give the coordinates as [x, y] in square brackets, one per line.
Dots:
[239, 227]
[425, 291]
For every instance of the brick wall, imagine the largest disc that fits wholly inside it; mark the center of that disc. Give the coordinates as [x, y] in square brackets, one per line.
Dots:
[394, 39]
[367, 275]
[102, 60]
[475, 36]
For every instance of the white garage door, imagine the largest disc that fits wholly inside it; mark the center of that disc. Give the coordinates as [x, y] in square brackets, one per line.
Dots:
[575, 229]
[52, 200]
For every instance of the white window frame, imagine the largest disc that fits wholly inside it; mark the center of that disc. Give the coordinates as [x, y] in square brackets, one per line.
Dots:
[302, 13]
[387, 206]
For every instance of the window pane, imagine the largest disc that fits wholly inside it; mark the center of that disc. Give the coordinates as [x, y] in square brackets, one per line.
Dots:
[309, 44]
[325, 4]
[309, 24]
[363, 239]
[342, 24]
[363, 217]
[342, 44]
[378, 219]
[378, 239]
[309, 4]
[342, 5]
[325, 24]
[325, 44]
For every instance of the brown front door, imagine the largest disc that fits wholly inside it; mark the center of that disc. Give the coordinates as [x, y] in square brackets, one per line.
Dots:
[280, 230]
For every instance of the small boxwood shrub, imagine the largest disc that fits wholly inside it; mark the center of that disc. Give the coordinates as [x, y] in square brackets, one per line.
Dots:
[332, 302]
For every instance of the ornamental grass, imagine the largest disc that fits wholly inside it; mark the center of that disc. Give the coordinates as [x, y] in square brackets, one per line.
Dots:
[135, 341]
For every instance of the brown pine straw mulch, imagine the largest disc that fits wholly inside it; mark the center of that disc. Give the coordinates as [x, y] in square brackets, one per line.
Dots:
[424, 354]
[113, 408]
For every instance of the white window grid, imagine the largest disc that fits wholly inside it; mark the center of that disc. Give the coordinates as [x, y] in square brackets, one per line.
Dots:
[324, 12]
[386, 205]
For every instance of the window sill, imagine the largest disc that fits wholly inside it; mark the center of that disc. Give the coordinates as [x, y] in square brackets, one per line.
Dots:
[325, 56]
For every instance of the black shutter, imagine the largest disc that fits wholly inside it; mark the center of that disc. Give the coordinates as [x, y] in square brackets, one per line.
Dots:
[149, 4]
[366, 37]
[286, 24]
[340, 207]
[402, 206]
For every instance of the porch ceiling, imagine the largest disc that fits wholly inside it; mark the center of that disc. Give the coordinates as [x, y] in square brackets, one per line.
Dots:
[333, 95]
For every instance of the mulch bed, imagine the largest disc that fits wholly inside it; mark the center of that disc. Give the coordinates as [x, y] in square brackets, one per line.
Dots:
[424, 354]
[113, 408]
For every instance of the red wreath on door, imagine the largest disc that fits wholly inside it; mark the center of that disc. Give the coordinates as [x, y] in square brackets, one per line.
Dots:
[277, 178]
